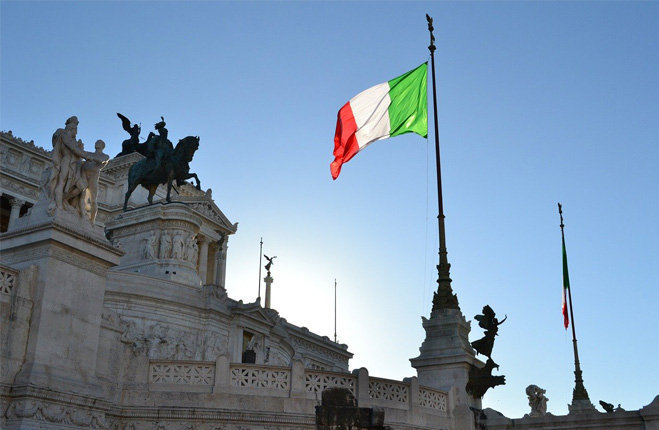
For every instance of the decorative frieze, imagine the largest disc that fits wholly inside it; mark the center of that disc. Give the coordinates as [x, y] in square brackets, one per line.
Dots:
[326, 353]
[18, 189]
[164, 342]
[59, 414]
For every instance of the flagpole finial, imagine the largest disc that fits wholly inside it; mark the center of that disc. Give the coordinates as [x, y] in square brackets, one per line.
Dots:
[431, 47]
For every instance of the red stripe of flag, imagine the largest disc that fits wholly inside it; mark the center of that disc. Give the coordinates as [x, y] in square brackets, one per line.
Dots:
[345, 141]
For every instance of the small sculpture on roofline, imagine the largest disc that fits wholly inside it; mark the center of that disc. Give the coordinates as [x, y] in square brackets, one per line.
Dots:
[481, 378]
[131, 144]
[270, 263]
[490, 323]
[537, 400]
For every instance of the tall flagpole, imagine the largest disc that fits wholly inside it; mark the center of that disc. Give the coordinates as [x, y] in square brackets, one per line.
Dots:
[444, 297]
[580, 399]
[260, 261]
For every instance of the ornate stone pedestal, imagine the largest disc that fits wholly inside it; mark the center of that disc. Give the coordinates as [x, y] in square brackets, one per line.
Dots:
[71, 257]
[161, 241]
[268, 289]
[444, 363]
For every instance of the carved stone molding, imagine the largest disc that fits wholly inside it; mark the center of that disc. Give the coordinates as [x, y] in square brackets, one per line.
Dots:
[68, 415]
[18, 189]
[302, 344]
[75, 259]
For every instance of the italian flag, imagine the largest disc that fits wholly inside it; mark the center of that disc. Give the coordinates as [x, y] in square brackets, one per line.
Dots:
[566, 287]
[385, 110]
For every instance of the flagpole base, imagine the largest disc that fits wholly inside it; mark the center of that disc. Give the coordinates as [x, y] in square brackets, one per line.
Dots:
[581, 407]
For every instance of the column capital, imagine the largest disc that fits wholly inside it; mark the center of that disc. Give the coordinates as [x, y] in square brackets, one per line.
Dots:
[15, 201]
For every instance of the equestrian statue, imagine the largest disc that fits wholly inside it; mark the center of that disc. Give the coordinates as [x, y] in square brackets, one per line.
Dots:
[163, 164]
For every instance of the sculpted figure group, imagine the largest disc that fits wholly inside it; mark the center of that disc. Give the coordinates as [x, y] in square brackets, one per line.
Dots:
[73, 182]
[164, 163]
[537, 400]
[178, 246]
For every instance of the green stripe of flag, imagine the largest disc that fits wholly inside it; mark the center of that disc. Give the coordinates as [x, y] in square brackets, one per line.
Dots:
[408, 111]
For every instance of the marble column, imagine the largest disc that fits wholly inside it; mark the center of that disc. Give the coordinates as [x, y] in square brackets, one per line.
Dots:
[212, 265]
[203, 259]
[16, 205]
[221, 261]
[268, 285]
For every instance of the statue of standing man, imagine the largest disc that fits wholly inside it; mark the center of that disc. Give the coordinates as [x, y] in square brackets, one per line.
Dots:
[71, 178]
[67, 152]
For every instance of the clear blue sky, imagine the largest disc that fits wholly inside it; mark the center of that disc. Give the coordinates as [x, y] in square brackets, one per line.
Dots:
[538, 103]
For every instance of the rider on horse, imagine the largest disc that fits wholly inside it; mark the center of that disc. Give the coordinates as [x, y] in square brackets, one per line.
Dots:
[158, 146]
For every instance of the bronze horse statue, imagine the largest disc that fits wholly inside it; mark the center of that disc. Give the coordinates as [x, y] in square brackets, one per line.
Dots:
[174, 165]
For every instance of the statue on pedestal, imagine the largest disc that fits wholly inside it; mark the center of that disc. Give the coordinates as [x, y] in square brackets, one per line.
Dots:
[537, 401]
[481, 378]
[164, 163]
[133, 143]
[270, 263]
[490, 323]
[91, 171]
[73, 181]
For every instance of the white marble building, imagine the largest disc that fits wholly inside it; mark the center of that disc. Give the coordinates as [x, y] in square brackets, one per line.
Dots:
[125, 324]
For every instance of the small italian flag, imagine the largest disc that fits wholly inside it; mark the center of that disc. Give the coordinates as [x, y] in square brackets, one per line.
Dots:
[566, 286]
[385, 110]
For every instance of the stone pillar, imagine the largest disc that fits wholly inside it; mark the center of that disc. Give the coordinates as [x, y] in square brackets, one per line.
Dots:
[297, 378]
[444, 363]
[212, 263]
[16, 205]
[414, 394]
[72, 258]
[222, 374]
[203, 258]
[268, 282]
[362, 385]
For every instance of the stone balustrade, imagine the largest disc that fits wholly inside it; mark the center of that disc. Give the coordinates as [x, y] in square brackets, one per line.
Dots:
[7, 280]
[294, 382]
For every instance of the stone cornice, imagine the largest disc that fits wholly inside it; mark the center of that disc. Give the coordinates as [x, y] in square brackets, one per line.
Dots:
[86, 236]
[120, 163]
[27, 146]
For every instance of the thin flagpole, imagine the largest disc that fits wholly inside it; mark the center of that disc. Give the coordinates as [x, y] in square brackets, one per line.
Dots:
[444, 298]
[260, 261]
[334, 310]
[579, 394]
